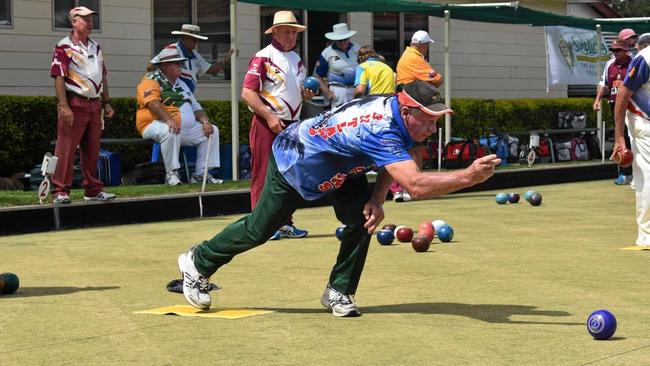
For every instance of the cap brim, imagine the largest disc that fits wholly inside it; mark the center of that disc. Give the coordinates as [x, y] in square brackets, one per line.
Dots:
[157, 61]
[339, 37]
[181, 33]
[83, 14]
[435, 109]
[300, 28]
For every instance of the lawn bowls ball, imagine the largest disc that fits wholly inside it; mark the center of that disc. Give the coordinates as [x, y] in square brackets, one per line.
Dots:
[339, 232]
[9, 283]
[385, 237]
[513, 197]
[312, 84]
[404, 234]
[437, 224]
[445, 234]
[535, 199]
[426, 229]
[527, 195]
[624, 158]
[601, 324]
[420, 244]
[501, 198]
[390, 227]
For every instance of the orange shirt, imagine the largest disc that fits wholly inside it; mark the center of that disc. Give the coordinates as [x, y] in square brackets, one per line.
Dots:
[412, 66]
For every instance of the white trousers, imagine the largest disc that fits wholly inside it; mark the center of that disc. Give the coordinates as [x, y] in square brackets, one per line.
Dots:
[342, 95]
[191, 135]
[639, 129]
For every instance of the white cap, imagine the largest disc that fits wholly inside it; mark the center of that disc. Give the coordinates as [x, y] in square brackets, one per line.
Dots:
[421, 37]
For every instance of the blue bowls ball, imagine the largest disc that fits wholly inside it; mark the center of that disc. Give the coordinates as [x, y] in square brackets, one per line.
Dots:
[501, 198]
[527, 195]
[601, 324]
[385, 237]
[311, 83]
[445, 233]
[339, 232]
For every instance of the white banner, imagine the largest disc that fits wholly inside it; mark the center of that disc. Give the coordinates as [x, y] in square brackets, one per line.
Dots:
[572, 55]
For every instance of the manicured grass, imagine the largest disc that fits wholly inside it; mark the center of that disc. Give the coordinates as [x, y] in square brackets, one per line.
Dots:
[514, 288]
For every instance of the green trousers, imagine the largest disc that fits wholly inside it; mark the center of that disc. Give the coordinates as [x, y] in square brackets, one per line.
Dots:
[276, 204]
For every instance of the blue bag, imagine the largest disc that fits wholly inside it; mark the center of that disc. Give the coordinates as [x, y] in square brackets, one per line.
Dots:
[498, 144]
[109, 168]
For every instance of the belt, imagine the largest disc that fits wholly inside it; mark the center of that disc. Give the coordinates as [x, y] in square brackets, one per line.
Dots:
[75, 95]
[288, 121]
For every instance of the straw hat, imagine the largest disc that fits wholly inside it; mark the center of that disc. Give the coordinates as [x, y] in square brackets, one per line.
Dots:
[340, 32]
[285, 17]
[190, 30]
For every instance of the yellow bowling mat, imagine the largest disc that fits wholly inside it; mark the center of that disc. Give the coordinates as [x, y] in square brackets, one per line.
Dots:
[186, 310]
[636, 247]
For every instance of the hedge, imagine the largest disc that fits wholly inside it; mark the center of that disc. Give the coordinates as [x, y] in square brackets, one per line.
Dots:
[28, 124]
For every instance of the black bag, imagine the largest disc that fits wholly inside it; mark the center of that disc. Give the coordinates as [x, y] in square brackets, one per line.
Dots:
[593, 145]
[572, 119]
[146, 173]
[36, 177]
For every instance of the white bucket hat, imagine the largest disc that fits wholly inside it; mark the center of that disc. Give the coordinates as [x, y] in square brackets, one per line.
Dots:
[421, 37]
[285, 17]
[340, 32]
[168, 54]
[190, 30]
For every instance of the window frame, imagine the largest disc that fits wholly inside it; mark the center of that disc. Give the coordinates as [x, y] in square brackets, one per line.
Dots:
[10, 12]
[98, 28]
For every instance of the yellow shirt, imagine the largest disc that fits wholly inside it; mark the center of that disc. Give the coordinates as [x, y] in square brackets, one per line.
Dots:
[376, 76]
[412, 66]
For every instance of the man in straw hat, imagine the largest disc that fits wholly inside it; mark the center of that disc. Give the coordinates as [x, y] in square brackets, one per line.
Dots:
[81, 84]
[196, 65]
[337, 64]
[273, 91]
[169, 114]
[330, 155]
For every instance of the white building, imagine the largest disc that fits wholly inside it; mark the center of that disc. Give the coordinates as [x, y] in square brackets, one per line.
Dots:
[487, 60]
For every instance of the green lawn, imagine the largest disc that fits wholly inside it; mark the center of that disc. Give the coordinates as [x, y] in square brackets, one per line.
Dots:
[514, 288]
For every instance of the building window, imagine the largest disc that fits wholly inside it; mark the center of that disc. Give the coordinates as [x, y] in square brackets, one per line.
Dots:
[5, 14]
[213, 16]
[62, 9]
[392, 32]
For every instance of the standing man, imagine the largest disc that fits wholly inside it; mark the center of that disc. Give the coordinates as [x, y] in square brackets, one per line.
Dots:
[196, 65]
[337, 64]
[628, 37]
[412, 66]
[274, 93]
[611, 81]
[82, 90]
[633, 108]
[330, 155]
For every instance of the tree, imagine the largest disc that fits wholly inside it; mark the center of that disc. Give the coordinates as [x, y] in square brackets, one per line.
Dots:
[632, 8]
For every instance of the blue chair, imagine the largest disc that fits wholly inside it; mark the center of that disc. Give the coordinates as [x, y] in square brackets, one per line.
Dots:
[188, 162]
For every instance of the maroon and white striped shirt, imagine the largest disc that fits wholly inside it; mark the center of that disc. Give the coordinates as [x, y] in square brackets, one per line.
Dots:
[81, 66]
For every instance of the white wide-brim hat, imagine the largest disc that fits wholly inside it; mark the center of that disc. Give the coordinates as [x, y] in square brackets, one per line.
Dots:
[340, 32]
[190, 30]
[285, 17]
[168, 54]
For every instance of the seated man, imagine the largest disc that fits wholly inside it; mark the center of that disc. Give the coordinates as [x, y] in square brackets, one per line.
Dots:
[169, 114]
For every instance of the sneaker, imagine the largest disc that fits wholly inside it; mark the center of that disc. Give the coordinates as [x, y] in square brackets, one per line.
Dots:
[195, 285]
[209, 179]
[632, 186]
[102, 196]
[61, 199]
[341, 305]
[623, 179]
[403, 196]
[276, 236]
[172, 178]
[290, 231]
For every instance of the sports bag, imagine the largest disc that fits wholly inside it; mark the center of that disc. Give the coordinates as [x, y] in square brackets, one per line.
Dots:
[461, 154]
[572, 119]
[579, 149]
[109, 168]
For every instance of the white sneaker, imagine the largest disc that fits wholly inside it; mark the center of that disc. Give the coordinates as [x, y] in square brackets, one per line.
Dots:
[402, 196]
[632, 186]
[102, 196]
[172, 178]
[195, 285]
[61, 199]
[341, 305]
[209, 179]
